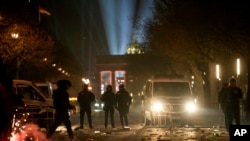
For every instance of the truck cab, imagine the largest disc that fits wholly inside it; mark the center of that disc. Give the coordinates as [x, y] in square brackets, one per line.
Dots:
[48, 88]
[37, 106]
[168, 99]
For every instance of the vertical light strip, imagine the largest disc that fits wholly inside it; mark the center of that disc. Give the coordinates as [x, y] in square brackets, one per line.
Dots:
[217, 71]
[238, 66]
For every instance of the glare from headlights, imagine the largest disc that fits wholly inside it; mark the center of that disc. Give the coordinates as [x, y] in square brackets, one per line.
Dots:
[96, 104]
[191, 107]
[157, 107]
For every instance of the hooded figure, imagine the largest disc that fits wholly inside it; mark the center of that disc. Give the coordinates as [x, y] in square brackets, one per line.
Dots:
[62, 105]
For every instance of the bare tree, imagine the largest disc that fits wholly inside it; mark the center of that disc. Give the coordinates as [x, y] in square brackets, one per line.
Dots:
[194, 33]
[24, 42]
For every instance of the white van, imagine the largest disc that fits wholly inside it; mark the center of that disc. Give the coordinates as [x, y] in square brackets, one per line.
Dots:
[167, 99]
[47, 87]
[37, 105]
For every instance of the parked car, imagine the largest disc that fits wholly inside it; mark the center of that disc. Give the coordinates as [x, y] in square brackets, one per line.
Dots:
[38, 107]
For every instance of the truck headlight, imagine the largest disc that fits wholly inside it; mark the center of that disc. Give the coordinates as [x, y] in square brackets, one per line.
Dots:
[191, 107]
[157, 107]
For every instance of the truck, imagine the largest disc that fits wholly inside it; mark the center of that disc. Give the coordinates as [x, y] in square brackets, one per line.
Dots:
[167, 100]
[37, 108]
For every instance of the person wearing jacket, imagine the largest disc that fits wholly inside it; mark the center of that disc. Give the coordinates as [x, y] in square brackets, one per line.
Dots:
[123, 101]
[85, 98]
[108, 98]
[232, 103]
[61, 104]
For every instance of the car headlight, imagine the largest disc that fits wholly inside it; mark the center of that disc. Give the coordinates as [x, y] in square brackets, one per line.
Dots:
[191, 107]
[157, 107]
[96, 104]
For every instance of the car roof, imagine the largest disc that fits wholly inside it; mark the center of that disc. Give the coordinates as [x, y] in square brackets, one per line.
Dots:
[168, 78]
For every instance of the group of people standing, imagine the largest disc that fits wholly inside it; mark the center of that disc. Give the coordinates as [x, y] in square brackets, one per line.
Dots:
[120, 101]
[229, 99]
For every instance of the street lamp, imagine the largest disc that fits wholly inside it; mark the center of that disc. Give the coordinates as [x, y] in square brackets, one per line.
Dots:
[217, 70]
[85, 80]
[14, 35]
[238, 67]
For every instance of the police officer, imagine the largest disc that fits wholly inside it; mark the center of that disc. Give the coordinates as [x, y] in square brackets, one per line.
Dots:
[85, 98]
[108, 98]
[232, 103]
[123, 101]
[61, 105]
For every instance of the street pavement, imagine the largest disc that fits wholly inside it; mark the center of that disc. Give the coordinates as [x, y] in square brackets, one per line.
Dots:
[208, 126]
[138, 132]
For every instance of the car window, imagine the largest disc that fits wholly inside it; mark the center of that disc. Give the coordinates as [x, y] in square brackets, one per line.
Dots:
[172, 89]
[28, 92]
[45, 90]
[148, 90]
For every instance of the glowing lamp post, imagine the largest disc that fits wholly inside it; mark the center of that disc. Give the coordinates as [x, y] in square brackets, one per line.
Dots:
[217, 71]
[238, 67]
[14, 35]
[85, 80]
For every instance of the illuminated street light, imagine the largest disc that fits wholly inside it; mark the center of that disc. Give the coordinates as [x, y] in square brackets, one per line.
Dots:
[85, 81]
[45, 59]
[14, 35]
[238, 67]
[217, 69]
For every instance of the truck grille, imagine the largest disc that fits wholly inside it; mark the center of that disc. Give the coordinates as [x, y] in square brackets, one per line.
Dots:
[174, 108]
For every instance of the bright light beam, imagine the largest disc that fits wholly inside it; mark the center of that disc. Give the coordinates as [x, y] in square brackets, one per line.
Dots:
[118, 22]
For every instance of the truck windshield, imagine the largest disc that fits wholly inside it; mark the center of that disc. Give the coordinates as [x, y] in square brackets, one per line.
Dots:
[171, 89]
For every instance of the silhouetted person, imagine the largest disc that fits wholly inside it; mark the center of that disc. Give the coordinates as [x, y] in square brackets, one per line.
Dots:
[8, 103]
[222, 97]
[108, 98]
[232, 104]
[62, 105]
[123, 101]
[85, 98]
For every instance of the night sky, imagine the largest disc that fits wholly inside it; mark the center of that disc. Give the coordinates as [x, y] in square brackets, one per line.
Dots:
[96, 27]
